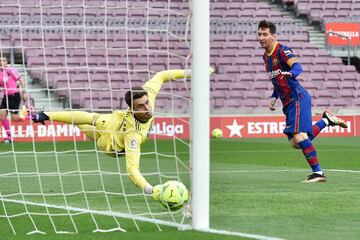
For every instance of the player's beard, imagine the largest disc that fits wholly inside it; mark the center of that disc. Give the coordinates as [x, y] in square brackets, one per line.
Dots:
[144, 117]
[148, 115]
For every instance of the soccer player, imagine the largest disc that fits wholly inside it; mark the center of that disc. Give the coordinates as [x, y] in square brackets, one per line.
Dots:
[9, 79]
[122, 132]
[283, 68]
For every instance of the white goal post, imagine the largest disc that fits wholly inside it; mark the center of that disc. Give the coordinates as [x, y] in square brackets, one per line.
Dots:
[200, 114]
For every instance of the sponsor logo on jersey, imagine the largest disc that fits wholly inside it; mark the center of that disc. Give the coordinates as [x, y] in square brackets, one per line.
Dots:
[273, 74]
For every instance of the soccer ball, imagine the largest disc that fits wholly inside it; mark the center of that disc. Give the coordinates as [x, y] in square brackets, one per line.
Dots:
[217, 133]
[173, 195]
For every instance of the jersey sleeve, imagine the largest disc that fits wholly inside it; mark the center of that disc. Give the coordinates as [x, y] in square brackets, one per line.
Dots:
[14, 73]
[132, 142]
[288, 56]
[153, 86]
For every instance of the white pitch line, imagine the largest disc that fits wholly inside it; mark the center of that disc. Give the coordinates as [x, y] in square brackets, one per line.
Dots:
[342, 170]
[239, 234]
[97, 212]
[71, 174]
[92, 152]
[143, 219]
[283, 170]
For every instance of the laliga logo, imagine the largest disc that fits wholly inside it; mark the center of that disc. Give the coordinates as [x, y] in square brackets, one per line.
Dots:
[167, 130]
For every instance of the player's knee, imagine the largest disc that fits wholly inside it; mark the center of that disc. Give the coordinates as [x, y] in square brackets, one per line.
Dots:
[3, 115]
[299, 137]
[95, 117]
[293, 144]
[15, 117]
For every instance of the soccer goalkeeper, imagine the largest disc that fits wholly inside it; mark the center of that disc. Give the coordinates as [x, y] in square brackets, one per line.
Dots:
[122, 132]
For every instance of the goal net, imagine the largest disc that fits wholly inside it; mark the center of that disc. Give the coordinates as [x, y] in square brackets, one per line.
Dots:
[84, 55]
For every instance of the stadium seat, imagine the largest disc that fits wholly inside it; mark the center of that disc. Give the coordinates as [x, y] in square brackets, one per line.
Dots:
[236, 56]
[340, 102]
[321, 102]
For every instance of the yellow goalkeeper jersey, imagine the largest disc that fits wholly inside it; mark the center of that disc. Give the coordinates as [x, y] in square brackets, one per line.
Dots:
[121, 132]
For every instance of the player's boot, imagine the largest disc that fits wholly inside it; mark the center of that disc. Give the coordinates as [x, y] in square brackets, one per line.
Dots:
[314, 178]
[39, 117]
[334, 120]
[7, 141]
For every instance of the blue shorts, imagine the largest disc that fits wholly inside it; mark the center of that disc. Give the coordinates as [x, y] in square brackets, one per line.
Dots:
[298, 116]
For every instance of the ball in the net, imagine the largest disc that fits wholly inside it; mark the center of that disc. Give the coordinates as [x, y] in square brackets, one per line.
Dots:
[173, 195]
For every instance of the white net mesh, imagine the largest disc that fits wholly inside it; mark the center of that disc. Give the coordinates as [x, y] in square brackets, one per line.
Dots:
[79, 54]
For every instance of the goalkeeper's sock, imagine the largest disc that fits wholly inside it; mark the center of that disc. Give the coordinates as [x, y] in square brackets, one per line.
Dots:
[317, 127]
[75, 117]
[309, 152]
[6, 124]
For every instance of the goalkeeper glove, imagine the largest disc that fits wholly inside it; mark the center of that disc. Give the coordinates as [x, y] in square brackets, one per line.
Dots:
[211, 70]
[156, 192]
[188, 71]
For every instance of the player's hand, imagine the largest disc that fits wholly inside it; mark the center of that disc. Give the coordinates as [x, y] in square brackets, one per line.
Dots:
[272, 104]
[29, 109]
[211, 70]
[286, 74]
[156, 192]
[188, 71]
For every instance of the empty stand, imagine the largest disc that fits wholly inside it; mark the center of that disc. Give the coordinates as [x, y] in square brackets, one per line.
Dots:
[94, 71]
[324, 10]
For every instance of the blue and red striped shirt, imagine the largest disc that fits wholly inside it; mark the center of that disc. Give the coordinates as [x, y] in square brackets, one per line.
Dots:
[280, 60]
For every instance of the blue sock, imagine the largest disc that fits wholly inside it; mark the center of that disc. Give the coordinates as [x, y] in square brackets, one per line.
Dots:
[317, 127]
[310, 154]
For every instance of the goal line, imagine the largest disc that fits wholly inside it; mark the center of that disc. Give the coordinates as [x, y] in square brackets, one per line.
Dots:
[182, 227]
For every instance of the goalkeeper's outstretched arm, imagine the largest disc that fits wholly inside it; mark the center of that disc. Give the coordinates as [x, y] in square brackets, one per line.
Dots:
[153, 86]
[132, 158]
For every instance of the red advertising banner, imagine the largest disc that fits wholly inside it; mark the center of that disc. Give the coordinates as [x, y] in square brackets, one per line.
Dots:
[346, 29]
[272, 126]
[168, 128]
[26, 132]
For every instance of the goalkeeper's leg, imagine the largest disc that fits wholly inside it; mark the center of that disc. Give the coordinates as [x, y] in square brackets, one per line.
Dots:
[100, 124]
[90, 131]
[83, 120]
[70, 117]
[74, 117]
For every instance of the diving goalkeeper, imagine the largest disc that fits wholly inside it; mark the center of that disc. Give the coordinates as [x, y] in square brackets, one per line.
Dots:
[123, 131]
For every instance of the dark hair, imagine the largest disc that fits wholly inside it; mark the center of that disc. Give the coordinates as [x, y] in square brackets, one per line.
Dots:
[267, 24]
[134, 93]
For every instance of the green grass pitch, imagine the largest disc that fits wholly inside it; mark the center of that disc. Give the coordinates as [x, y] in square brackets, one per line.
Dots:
[255, 188]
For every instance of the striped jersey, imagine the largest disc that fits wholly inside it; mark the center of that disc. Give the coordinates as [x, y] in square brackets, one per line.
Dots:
[281, 58]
